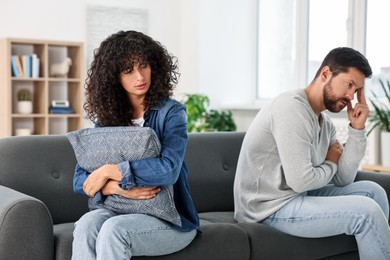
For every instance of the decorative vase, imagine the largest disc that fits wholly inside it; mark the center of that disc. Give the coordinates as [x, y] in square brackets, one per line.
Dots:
[24, 107]
[385, 148]
[22, 132]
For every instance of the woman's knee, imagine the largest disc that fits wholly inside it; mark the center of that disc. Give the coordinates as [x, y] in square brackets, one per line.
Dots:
[92, 221]
[112, 230]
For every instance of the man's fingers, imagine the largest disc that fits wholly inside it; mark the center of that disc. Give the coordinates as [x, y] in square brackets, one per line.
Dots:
[361, 97]
[349, 107]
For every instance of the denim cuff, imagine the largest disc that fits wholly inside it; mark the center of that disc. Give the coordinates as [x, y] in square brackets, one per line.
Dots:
[98, 199]
[127, 181]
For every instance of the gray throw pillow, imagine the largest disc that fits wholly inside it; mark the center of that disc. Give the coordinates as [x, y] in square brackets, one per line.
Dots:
[95, 147]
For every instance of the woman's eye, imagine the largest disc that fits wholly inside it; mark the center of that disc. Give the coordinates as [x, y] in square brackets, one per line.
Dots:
[349, 84]
[127, 71]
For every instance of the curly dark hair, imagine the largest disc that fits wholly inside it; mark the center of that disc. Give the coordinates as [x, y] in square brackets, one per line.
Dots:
[107, 103]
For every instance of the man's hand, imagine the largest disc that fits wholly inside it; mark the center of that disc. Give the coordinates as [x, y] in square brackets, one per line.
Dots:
[134, 193]
[359, 114]
[98, 178]
[334, 152]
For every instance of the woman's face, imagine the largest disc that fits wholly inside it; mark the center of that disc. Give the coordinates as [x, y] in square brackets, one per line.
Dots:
[136, 81]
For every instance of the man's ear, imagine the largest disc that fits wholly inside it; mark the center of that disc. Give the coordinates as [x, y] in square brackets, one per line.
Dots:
[325, 74]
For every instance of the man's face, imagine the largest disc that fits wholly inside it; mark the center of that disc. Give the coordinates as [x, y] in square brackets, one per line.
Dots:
[340, 90]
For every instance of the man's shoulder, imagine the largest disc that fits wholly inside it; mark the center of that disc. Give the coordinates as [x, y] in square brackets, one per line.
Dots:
[290, 99]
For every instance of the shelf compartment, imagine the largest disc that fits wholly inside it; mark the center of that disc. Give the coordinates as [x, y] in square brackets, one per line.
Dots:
[36, 124]
[63, 124]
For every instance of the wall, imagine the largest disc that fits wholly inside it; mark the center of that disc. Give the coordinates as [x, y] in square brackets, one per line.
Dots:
[227, 51]
[213, 40]
[66, 20]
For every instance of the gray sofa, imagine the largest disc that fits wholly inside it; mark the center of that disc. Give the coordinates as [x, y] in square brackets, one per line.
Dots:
[38, 206]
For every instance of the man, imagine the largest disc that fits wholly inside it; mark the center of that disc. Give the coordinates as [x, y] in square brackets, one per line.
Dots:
[293, 174]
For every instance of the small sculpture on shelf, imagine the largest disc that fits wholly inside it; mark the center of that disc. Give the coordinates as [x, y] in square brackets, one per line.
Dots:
[24, 104]
[60, 69]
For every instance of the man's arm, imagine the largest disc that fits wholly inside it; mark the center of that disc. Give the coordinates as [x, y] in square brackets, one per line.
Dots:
[355, 146]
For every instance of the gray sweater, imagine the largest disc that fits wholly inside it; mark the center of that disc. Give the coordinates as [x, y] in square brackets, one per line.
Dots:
[283, 156]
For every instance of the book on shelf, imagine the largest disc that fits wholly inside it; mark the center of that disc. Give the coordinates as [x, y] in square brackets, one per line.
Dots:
[14, 68]
[17, 69]
[60, 110]
[25, 66]
[35, 66]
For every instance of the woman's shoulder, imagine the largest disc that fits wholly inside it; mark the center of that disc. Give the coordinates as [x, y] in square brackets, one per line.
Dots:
[169, 103]
[173, 102]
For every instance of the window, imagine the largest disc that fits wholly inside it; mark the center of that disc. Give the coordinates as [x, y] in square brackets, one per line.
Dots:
[295, 35]
[378, 43]
[276, 47]
[327, 30]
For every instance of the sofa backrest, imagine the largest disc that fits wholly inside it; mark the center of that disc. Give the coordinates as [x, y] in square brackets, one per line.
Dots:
[43, 167]
[212, 160]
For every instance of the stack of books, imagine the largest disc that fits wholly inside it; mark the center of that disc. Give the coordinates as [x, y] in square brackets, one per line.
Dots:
[25, 66]
[60, 110]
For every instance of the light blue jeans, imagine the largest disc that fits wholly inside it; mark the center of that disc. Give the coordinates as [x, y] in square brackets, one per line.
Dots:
[360, 209]
[103, 234]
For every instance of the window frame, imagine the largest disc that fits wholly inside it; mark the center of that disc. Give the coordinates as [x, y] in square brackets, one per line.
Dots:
[356, 38]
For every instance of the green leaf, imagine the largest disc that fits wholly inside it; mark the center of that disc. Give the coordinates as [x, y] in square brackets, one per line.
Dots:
[380, 118]
[200, 119]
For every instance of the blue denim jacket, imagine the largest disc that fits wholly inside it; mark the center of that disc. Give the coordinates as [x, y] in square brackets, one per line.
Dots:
[169, 122]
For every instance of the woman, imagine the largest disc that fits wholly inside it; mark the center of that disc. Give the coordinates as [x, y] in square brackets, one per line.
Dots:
[130, 83]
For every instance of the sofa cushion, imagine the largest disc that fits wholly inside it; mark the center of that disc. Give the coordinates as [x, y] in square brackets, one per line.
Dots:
[296, 247]
[95, 147]
[218, 217]
[63, 238]
[42, 166]
[212, 160]
[216, 241]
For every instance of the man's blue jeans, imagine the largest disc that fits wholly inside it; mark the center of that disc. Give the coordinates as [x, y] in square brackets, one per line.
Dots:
[103, 234]
[360, 209]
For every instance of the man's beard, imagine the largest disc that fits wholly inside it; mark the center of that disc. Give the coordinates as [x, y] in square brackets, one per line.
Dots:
[332, 103]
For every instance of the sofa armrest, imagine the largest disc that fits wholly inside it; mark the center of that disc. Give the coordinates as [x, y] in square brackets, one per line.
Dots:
[26, 228]
[381, 178]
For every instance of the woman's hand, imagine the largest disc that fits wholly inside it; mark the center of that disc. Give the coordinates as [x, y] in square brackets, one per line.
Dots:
[112, 187]
[98, 178]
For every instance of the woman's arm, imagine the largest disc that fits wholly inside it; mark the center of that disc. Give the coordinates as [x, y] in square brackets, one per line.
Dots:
[112, 187]
[165, 169]
[80, 175]
[99, 177]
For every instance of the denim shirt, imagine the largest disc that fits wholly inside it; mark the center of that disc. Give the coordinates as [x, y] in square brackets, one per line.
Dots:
[169, 122]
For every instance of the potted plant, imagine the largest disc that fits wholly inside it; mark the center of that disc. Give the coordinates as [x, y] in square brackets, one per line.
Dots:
[220, 121]
[380, 118]
[200, 119]
[24, 104]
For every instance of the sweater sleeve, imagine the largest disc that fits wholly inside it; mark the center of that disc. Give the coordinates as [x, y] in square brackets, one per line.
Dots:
[351, 157]
[293, 125]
